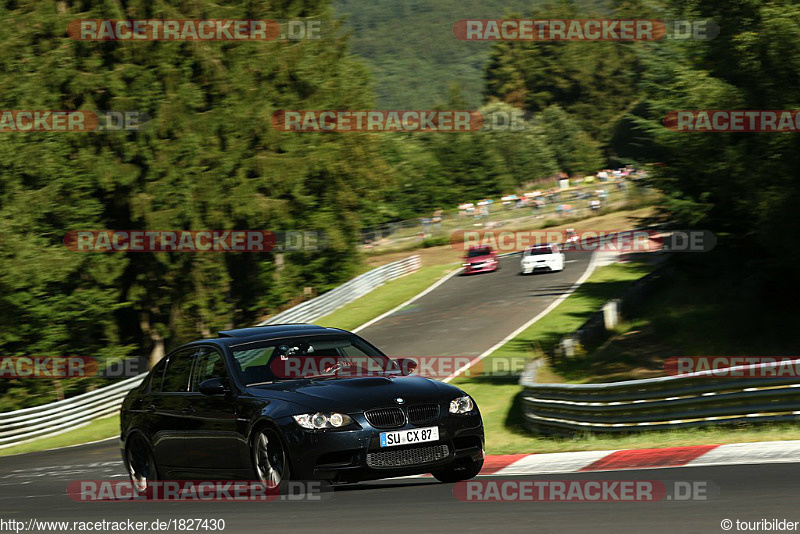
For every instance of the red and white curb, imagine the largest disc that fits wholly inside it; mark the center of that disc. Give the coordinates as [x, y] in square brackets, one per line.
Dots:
[691, 456]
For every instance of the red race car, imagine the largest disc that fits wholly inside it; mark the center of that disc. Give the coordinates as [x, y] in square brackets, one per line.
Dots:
[480, 259]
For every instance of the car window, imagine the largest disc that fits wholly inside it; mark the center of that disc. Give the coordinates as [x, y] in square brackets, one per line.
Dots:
[537, 251]
[475, 252]
[208, 363]
[176, 377]
[253, 357]
[308, 356]
[157, 375]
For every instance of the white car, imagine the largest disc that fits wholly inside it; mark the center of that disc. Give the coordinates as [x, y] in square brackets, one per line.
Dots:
[542, 257]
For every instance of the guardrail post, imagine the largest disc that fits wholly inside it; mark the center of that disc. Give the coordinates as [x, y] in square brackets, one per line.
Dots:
[567, 346]
[611, 313]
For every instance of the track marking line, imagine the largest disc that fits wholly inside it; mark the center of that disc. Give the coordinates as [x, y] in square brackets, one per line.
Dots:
[585, 276]
[409, 301]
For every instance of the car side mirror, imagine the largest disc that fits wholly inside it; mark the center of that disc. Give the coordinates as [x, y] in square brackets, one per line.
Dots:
[407, 365]
[212, 386]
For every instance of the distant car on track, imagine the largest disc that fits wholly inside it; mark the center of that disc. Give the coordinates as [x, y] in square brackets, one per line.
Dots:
[546, 257]
[571, 238]
[295, 401]
[480, 259]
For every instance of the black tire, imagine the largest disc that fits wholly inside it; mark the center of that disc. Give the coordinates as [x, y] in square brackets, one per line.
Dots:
[458, 473]
[141, 465]
[270, 461]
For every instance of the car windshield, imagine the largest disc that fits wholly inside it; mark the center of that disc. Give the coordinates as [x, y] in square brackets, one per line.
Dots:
[535, 251]
[475, 252]
[310, 356]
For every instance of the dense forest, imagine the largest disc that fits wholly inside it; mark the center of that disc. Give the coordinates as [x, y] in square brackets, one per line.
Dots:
[209, 158]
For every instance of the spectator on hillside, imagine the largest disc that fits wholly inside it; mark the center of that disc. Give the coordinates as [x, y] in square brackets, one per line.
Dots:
[426, 227]
[437, 218]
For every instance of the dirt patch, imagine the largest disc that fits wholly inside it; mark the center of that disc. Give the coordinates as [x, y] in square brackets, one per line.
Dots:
[639, 353]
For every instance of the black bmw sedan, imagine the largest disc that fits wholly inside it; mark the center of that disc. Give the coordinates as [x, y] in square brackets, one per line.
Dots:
[300, 402]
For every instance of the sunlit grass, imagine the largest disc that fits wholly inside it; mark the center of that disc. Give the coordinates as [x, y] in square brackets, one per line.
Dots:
[98, 429]
[384, 298]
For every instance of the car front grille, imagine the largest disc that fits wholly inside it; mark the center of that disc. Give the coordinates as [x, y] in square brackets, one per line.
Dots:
[386, 417]
[406, 457]
[423, 413]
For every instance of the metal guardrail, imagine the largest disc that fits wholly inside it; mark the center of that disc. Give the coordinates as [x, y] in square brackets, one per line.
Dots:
[27, 424]
[693, 399]
[48, 419]
[346, 293]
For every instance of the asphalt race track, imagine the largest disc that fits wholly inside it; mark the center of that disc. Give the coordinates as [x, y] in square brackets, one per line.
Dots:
[464, 316]
[469, 314]
[32, 486]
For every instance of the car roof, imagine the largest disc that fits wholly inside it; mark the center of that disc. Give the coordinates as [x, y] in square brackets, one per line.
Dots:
[240, 336]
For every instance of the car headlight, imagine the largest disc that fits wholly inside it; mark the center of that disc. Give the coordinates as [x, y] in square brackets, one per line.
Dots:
[322, 421]
[462, 405]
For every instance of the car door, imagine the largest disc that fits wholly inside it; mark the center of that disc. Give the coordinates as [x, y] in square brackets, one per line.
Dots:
[216, 437]
[143, 409]
[169, 407]
[559, 257]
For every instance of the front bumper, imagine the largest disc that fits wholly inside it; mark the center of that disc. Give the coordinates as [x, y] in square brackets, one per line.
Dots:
[353, 455]
[545, 266]
[480, 268]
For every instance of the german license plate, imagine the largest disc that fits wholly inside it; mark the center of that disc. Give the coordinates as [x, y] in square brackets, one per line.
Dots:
[409, 437]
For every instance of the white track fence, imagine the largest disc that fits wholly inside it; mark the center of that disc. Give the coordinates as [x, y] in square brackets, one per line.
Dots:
[346, 293]
[56, 417]
[28, 424]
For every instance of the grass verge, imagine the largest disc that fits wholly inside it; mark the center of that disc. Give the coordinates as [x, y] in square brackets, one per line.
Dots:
[605, 283]
[499, 397]
[98, 429]
[385, 298]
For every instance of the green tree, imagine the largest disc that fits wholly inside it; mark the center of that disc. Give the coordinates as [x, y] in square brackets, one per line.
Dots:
[208, 159]
[743, 186]
[596, 82]
[575, 151]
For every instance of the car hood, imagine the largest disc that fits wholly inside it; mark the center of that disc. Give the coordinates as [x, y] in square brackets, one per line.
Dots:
[359, 393]
[479, 259]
